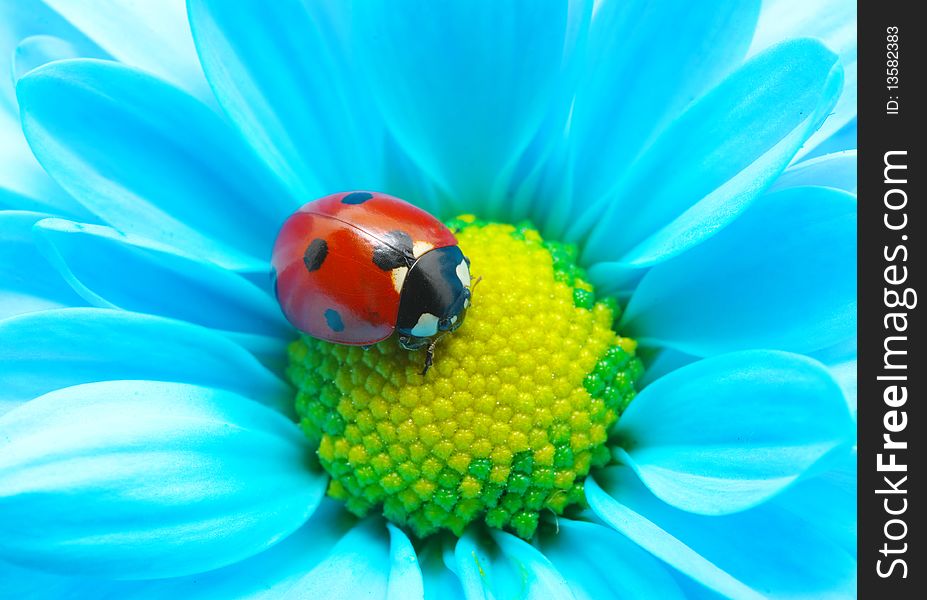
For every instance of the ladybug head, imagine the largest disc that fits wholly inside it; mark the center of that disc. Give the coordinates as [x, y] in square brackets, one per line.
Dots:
[435, 296]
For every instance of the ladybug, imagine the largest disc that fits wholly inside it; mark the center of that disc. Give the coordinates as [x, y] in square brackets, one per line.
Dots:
[354, 267]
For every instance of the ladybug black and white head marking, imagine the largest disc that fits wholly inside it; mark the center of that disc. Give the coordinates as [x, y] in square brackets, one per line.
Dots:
[435, 297]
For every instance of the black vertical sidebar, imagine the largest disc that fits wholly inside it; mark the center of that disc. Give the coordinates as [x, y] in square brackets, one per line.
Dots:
[892, 366]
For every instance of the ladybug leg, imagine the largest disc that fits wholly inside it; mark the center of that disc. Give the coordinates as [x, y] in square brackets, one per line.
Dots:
[429, 356]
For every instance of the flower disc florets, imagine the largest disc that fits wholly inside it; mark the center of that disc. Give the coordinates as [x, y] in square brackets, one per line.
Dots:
[509, 420]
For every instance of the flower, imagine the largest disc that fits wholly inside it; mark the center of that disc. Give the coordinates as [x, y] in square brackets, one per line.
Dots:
[147, 441]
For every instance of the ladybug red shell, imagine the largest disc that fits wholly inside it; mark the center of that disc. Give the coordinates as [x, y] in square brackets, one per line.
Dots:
[354, 267]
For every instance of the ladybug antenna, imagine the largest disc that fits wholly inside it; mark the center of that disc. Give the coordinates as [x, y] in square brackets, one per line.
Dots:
[474, 284]
[430, 352]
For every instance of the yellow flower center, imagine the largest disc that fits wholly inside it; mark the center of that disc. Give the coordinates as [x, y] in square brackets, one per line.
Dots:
[510, 419]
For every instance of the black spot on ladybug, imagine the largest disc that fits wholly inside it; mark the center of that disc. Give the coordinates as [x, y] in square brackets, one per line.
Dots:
[395, 250]
[333, 319]
[356, 198]
[315, 254]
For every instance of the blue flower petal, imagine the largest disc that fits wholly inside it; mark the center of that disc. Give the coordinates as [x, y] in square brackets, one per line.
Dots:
[831, 21]
[19, 582]
[441, 583]
[506, 567]
[844, 139]
[782, 276]
[281, 72]
[24, 185]
[268, 575]
[45, 351]
[726, 433]
[405, 576]
[845, 375]
[36, 50]
[663, 362]
[154, 37]
[792, 546]
[539, 183]
[151, 160]
[26, 18]
[359, 565]
[110, 269]
[614, 278]
[841, 362]
[662, 544]
[834, 23]
[724, 151]
[836, 170]
[842, 115]
[463, 86]
[137, 480]
[28, 282]
[598, 563]
[631, 89]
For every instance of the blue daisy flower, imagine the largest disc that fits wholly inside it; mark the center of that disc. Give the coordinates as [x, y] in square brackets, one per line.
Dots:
[699, 158]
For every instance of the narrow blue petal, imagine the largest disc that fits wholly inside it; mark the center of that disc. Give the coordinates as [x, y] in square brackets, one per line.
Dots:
[139, 480]
[630, 90]
[24, 185]
[281, 71]
[834, 23]
[504, 566]
[36, 50]
[598, 563]
[404, 179]
[841, 362]
[662, 544]
[831, 21]
[842, 115]
[45, 351]
[845, 375]
[26, 18]
[37, 585]
[269, 575]
[110, 269]
[795, 545]
[265, 576]
[540, 182]
[463, 86]
[532, 570]
[440, 581]
[836, 170]
[726, 433]
[28, 282]
[153, 37]
[725, 150]
[663, 362]
[471, 565]
[405, 576]
[151, 160]
[782, 276]
[358, 566]
[614, 278]
[844, 139]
